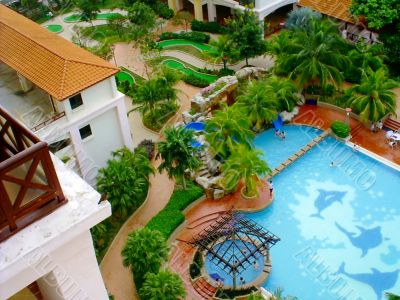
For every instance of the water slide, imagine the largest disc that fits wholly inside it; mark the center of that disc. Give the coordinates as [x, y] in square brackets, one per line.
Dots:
[278, 123]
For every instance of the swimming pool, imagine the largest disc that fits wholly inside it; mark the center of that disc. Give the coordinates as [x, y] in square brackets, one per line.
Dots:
[278, 150]
[338, 225]
[214, 266]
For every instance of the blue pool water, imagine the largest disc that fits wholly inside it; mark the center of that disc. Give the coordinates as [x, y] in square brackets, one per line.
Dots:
[277, 150]
[249, 274]
[339, 226]
[196, 126]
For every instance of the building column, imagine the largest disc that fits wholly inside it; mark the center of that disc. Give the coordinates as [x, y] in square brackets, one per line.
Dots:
[262, 24]
[26, 85]
[198, 10]
[124, 124]
[76, 274]
[212, 11]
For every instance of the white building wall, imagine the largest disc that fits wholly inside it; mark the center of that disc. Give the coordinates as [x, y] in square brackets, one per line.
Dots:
[106, 137]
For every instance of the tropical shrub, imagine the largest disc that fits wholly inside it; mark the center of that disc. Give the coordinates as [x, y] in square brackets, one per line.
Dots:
[226, 72]
[193, 36]
[374, 97]
[341, 129]
[156, 119]
[125, 180]
[301, 18]
[163, 285]
[228, 128]
[177, 153]
[212, 27]
[144, 252]
[164, 11]
[285, 92]
[232, 293]
[169, 218]
[247, 165]
[149, 146]
[195, 80]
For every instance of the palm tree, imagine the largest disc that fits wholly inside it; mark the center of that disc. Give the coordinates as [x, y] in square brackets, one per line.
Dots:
[177, 153]
[228, 128]
[259, 102]
[314, 57]
[247, 165]
[373, 98]
[278, 295]
[125, 180]
[145, 251]
[285, 91]
[163, 285]
[224, 50]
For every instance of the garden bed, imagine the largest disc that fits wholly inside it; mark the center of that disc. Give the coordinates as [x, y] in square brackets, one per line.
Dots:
[55, 28]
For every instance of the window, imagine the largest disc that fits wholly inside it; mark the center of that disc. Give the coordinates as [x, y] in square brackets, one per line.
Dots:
[75, 101]
[85, 132]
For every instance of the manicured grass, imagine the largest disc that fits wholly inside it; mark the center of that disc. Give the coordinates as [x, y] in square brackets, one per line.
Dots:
[125, 76]
[101, 16]
[199, 46]
[56, 28]
[174, 64]
[138, 79]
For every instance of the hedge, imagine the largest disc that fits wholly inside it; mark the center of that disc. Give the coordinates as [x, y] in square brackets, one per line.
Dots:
[169, 218]
[198, 37]
[212, 27]
[341, 129]
[195, 81]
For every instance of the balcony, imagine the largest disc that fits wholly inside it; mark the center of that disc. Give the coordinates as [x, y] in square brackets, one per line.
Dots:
[29, 186]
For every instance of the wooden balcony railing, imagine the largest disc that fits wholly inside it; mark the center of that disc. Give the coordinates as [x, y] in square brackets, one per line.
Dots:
[48, 121]
[29, 186]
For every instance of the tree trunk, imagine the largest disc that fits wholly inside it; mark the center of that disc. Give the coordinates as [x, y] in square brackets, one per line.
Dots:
[184, 182]
[247, 61]
[224, 61]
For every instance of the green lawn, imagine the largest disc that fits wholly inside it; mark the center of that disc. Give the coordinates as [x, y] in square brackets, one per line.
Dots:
[101, 16]
[177, 65]
[125, 76]
[199, 46]
[56, 28]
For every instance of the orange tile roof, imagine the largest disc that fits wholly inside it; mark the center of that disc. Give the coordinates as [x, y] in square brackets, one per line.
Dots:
[54, 64]
[338, 9]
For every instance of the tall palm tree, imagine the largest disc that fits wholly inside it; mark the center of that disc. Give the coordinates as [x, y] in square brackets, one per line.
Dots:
[177, 153]
[224, 50]
[373, 98]
[259, 102]
[145, 251]
[163, 285]
[125, 180]
[228, 128]
[247, 165]
[314, 57]
[285, 92]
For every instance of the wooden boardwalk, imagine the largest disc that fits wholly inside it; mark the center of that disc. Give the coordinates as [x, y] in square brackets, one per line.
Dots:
[298, 154]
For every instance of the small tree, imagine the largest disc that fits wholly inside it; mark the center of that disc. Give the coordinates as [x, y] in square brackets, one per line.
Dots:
[118, 22]
[88, 9]
[125, 179]
[224, 50]
[246, 33]
[163, 285]
[144, 252]
[177, 153]
[142, 15]
[247, 165]
[183, 18]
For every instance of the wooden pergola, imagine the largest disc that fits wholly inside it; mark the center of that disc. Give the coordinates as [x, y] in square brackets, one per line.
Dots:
[238, 231]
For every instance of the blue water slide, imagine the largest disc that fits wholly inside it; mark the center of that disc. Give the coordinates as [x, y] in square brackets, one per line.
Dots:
[278, 123]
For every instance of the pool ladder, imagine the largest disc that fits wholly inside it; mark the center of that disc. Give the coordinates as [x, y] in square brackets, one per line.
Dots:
[298, 154]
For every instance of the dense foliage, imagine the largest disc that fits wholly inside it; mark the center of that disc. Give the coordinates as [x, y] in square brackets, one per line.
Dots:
[341, 129]
[246, 33]
[149, 146]
[212, 27]
[177, 153]
[163, 285]
[144, 252]
[195, 80]
[378, 13]
[169, 218]
[301, 18]
[198, 37]
[125, 179]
